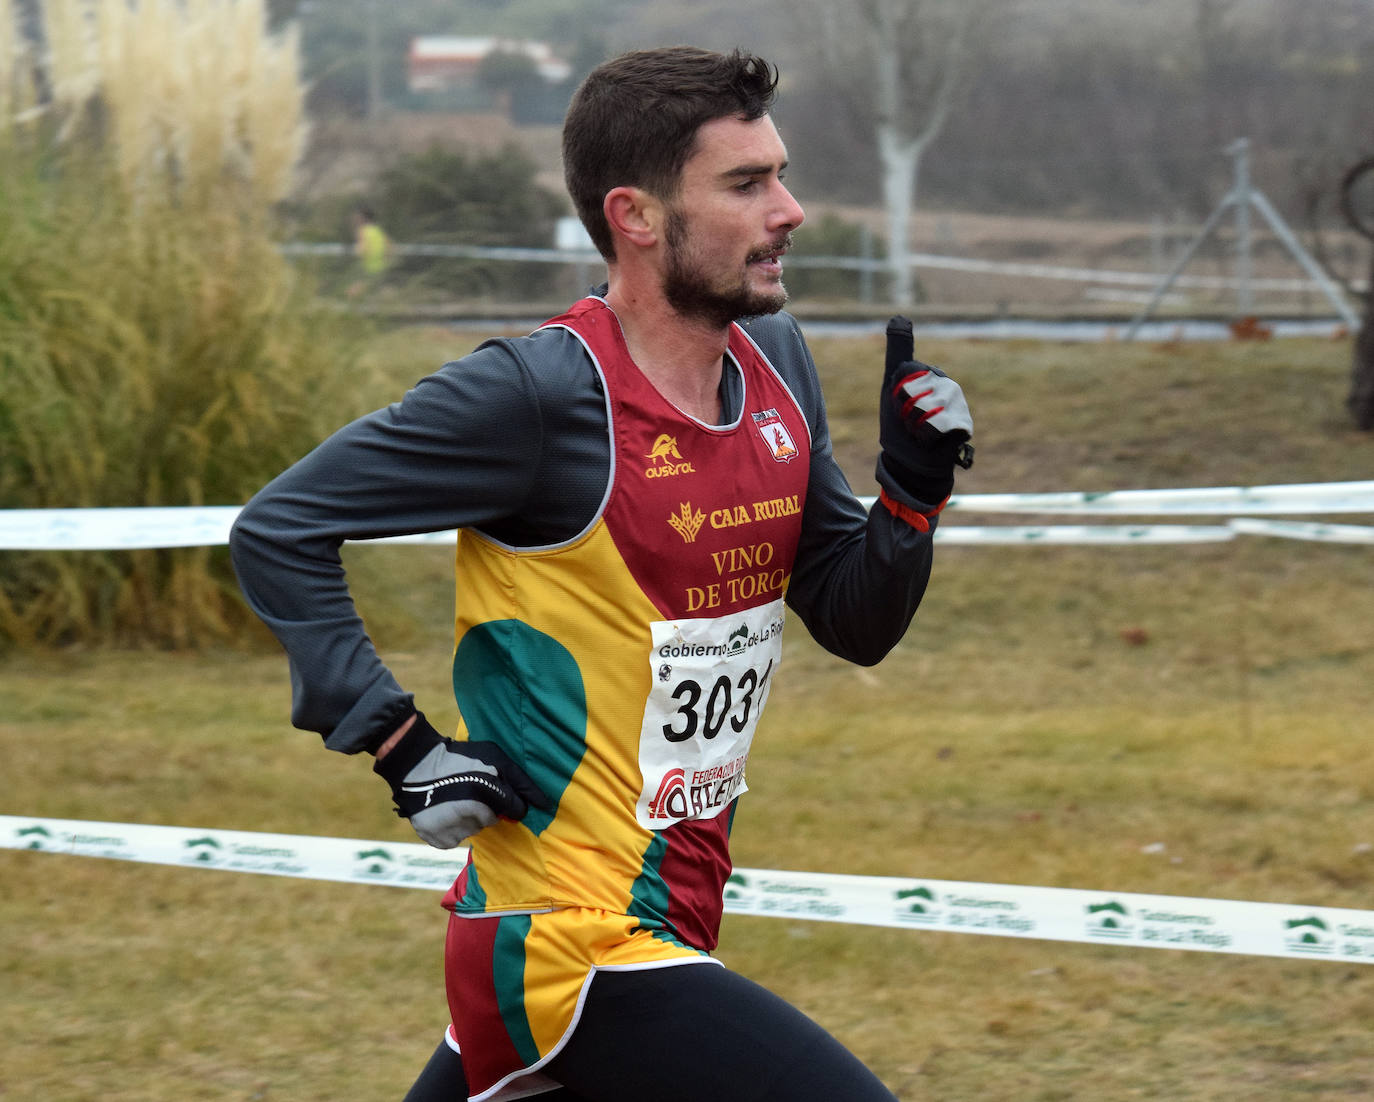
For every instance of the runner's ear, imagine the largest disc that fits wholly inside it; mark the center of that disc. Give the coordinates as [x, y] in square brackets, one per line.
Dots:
[634, 214]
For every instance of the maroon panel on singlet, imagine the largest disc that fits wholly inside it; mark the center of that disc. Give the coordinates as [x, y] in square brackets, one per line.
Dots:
[707, 518]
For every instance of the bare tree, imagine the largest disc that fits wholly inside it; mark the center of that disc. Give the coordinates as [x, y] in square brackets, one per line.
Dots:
[900, 65]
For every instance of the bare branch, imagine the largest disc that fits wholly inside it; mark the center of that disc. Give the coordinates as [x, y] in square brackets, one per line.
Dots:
[1361, 223]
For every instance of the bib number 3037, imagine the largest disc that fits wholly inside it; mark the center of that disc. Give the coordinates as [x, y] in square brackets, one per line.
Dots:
[724, 702]
[709, 682]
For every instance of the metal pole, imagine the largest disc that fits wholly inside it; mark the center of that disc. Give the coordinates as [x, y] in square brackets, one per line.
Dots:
[1162, 287]
[1303, 257]
[1245, 299]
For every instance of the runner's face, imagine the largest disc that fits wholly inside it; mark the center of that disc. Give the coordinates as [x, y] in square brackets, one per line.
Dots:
[730, 224]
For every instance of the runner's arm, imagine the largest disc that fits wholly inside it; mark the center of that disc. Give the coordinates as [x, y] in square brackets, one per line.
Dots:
[460, 449]
[858, 577]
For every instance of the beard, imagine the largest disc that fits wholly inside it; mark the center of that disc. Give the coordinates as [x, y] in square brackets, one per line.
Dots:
[693, 293]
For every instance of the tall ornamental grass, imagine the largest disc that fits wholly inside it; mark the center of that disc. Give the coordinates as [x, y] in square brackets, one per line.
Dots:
[155, 349]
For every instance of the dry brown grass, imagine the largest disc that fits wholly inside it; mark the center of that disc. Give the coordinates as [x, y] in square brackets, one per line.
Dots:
[1016, 736]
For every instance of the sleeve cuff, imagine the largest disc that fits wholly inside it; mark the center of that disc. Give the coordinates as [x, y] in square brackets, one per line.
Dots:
[920, 520]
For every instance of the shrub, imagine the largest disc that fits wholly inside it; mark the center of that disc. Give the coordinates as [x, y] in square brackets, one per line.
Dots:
[448, 197]
[827, 236]
[170, 357]
[155, 349]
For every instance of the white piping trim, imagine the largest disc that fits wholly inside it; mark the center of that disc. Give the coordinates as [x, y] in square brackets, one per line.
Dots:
[781, 382]
[610, 481]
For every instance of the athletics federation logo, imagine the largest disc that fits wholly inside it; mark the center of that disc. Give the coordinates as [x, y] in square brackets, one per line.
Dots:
[670, 801]
[687, 522]
[775, 436]
[665, 460]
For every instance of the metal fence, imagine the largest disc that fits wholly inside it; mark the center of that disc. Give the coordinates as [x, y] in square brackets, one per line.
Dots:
[1113, 286]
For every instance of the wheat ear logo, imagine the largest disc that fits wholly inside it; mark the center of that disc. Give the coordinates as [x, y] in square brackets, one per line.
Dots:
[687, 522]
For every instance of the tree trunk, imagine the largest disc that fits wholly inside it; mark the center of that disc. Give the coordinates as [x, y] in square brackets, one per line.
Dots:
[1361, 400]
[901, 161]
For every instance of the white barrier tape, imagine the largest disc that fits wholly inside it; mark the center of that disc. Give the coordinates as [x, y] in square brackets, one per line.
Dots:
[1063, 535]
[1313, 497]
[347, 860]
[988, 535]
[1304, 530]
[118, 529]
[999, 910]
[115, 529]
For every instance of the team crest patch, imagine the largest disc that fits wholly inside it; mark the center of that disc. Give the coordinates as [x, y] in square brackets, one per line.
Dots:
[775, 436]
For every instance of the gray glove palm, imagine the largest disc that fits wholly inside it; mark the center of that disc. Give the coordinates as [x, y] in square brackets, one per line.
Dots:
[450, 790]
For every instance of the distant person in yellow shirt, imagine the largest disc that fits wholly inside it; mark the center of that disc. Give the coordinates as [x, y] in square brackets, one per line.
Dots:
[372, 248]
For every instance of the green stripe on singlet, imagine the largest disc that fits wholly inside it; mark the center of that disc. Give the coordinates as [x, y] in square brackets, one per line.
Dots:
[474, 895]
[508, 974]
[522, 689]
[649, 895]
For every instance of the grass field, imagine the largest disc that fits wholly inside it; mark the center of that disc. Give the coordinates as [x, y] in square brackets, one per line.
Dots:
[1179, 720]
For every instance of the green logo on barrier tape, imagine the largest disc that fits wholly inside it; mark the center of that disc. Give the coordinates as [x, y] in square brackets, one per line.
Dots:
[204, 851]
[375, 864]
[1308, 935]
[916, 906]
[35, 837]
[779, 894]
[1111, 919]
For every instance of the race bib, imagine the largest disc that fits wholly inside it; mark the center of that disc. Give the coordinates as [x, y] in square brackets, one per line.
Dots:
[710, 681]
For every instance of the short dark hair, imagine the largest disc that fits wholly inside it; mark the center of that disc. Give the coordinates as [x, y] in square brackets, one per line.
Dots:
[634, 121]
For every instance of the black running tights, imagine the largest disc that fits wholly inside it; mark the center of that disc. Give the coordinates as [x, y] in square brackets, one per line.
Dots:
[684, 1034]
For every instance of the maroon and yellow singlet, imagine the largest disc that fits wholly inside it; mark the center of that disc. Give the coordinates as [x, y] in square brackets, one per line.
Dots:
[626, 671]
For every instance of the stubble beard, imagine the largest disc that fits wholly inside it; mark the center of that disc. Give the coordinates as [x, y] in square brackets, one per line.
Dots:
[690, 292]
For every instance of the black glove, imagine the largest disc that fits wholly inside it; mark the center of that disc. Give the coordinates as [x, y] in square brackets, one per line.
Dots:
[924, 424]
[450, 790]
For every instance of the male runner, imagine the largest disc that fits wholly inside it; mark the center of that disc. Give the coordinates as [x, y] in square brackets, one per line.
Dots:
[642, 487]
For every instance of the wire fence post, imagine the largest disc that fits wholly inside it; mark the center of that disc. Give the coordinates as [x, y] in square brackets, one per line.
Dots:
[1245, 298]
[1243, 195]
